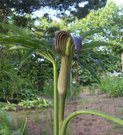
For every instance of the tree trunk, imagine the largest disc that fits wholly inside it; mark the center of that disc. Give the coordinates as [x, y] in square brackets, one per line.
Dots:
[122, 60]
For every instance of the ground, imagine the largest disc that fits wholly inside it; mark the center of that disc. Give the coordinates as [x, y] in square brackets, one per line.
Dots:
[40, 122]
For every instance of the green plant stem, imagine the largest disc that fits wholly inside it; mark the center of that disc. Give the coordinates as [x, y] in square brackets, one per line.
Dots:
[74, 114]
[56, 121]
[61, 109]
[24, 126]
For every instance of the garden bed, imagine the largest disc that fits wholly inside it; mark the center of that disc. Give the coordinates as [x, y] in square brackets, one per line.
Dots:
[40, 122]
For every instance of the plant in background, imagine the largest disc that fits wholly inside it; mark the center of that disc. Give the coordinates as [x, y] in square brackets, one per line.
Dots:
[20, 128]
[6, 125]
[37, 103]
[64, 46]
[75, 90]
[48, 88]
[8, 106]
[13, 85]
[113, 86]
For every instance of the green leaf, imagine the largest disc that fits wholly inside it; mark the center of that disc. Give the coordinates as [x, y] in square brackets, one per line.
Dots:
[91, 70]
[92, 112]
[95, 44]
[16, 30]
[91, 32]
[20, 40]
[48, 55]
[17, 47]
[27, 55]
[23, 126]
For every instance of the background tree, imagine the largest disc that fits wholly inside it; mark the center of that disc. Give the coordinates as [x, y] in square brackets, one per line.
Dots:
[109, 28]
[15, 9]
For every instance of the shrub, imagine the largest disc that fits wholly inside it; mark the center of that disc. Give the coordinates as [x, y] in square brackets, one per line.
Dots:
[17, 88]
[113, 86]
[74, 91]
[48, 88]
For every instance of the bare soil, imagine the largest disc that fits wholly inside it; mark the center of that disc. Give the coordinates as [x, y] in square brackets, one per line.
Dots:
[40, 122]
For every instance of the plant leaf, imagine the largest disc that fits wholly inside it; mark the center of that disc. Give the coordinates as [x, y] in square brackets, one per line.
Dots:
[26, 56]
[95, 44]
[16, 30]
[88, 67]
[17, 47]
[90, 32]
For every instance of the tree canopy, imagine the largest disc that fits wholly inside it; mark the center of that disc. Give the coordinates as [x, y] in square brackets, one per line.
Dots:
[79, 8]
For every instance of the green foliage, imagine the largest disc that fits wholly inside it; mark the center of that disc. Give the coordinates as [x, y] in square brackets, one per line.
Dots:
[6, 125]
[21, 80]
[15, 84]
[96, 19]
[96, 26]
[48, 88]
[8, 75]
[37, 103]
[15, 88]
[20, 11]
[26, 90]
[74, 90]
[21, 128]
[113, 86]
[8, 106]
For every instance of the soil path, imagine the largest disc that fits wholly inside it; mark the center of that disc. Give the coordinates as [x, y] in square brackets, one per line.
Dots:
[41, 122]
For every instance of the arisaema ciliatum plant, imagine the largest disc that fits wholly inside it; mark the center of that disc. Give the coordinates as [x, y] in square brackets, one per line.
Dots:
[65, 45]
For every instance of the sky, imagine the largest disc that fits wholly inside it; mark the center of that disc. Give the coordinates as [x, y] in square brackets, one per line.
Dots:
[53, 13]
[118, 2]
